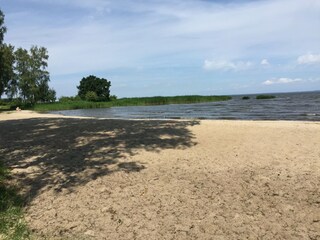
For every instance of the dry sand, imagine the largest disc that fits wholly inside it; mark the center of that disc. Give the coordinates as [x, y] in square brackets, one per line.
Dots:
[126, 179]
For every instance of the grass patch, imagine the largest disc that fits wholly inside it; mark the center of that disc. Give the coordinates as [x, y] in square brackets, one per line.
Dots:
[44, 107]
[265, 97]
[145, 101]
[12, 225]
[5, 108]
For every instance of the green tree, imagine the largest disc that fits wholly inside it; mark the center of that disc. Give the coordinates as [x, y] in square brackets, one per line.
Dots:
[3, 79]
[8, 81]
[44, 93]
[100, 86]
[38, 63]
[32, 75]
[51, 95]
[24, 72]
[3, 28]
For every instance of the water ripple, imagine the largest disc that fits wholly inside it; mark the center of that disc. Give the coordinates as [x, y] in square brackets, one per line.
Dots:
[286, 106]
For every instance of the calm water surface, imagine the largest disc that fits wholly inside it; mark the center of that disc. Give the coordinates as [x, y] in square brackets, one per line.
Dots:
[286, 106]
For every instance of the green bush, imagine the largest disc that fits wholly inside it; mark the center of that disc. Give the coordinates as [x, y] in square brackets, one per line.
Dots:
[77, 98]
[113, 97]
[91, 96]
[245, 98]
[4, 105]
[65, 99]
[265, 97]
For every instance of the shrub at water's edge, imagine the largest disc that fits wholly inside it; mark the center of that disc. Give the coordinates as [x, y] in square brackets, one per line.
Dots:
[69, 104]
[245, 98]
[265, 97]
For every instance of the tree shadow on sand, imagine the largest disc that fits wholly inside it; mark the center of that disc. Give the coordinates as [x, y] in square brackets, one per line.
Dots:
[62, 153]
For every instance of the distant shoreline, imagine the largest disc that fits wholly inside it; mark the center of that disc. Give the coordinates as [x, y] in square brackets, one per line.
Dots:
[138, 101]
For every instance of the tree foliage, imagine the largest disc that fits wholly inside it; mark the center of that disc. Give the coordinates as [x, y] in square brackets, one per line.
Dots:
[91, 96]
[7, 76]
[3, 28]
[3, 80]
[23, 73]
[100, 86]
[32, 75]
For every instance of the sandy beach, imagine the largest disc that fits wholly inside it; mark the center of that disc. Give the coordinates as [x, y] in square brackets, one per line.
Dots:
[87, 178]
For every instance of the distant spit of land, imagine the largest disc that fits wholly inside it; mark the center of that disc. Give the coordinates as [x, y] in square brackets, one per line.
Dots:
[138, 101]
[70, 103]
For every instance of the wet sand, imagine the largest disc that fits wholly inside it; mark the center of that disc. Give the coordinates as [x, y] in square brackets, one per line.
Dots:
[154, 179]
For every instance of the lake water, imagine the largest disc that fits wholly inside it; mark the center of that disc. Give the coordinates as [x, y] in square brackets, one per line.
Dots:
[286, 106]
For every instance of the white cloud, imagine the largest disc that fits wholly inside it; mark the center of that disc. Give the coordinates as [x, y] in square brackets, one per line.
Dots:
[129, 33]
[264, 62]
[226, 65]
[309, 59]
[117, 37]
[281, 81]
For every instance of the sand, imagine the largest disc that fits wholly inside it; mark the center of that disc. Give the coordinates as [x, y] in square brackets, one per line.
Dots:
[139, 179]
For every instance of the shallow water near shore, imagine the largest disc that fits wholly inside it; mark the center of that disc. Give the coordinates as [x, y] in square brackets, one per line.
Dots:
[286, 106]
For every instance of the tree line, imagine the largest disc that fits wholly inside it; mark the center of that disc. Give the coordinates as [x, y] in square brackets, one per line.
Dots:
[23, 73]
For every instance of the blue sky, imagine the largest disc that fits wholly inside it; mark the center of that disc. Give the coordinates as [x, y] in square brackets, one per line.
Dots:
[173, 47]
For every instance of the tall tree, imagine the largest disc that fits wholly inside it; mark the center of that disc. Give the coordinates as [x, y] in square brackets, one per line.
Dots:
[22, 68]
[32, 75]
[38, 63]
[24, 72]
[3, 28]
[8, 82]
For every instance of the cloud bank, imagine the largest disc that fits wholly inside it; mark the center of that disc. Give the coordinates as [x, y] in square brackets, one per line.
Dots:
[309, 59]
[281, 81]
[226, 65]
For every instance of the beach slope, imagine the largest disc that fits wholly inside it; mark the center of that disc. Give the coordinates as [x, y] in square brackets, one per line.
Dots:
[154, 179]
